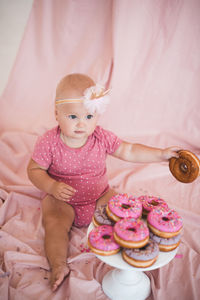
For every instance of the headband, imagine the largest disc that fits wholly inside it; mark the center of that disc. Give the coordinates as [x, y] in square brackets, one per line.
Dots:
[95, 98]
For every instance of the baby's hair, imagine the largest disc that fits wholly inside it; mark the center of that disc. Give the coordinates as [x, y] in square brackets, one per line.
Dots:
[73, 85]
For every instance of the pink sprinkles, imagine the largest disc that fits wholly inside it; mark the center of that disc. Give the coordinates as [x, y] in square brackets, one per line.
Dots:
[83, 248]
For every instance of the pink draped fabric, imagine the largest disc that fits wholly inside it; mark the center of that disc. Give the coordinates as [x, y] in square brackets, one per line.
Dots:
[148, 52]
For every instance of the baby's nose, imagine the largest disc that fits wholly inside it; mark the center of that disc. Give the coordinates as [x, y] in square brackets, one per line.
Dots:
[81, 124]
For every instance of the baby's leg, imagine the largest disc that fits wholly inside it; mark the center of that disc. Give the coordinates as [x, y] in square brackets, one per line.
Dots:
[58, 217]
[104, 199]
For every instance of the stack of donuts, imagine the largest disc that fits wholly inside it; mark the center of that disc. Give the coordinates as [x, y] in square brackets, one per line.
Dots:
[119, 226]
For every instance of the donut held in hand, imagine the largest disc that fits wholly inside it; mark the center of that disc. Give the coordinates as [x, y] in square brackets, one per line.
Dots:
[164, 223]
[123, 206]
[142, 257]
[131, 233]
[185, 168]
[101, 241]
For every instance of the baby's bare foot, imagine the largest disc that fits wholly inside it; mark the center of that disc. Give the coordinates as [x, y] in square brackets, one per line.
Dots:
[57, 276]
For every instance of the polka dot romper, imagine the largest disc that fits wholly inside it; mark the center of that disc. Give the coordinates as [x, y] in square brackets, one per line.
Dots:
[82, 168]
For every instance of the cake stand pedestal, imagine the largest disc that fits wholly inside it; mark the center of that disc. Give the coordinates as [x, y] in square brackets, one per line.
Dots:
[126, 282]
[126, 285]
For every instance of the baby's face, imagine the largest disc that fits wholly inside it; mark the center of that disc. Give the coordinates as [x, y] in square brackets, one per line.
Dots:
[75, 122]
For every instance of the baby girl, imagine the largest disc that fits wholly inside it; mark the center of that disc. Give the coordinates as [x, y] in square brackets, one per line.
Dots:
[69, 165]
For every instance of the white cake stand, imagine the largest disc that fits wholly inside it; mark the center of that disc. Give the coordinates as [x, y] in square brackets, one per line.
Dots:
[126, 282]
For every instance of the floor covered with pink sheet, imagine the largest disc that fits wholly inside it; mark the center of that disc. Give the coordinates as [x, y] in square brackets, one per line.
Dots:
[148, 53]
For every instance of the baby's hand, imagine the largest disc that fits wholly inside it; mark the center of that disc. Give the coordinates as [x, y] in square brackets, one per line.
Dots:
[170, 152]
[62, 191]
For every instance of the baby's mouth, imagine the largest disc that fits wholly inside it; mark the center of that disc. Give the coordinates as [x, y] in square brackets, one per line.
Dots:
[79, 131]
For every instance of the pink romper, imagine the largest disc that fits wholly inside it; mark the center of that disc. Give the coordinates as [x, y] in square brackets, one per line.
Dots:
[82, 168]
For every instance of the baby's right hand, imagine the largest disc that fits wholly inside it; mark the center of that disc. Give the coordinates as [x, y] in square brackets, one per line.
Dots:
[62, 191]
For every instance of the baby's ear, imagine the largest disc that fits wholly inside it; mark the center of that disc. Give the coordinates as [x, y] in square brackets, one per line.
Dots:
[56, 113]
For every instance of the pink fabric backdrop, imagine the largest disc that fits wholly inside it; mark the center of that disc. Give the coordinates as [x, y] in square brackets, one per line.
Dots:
[148, 52]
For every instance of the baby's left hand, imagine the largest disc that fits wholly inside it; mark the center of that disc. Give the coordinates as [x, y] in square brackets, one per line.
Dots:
[167, 153]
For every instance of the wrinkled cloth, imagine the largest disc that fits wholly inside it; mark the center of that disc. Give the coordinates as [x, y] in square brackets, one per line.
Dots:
[148, 53]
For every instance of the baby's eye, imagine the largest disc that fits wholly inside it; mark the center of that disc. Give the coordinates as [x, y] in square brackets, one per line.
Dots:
[72, 117]
[89, 117]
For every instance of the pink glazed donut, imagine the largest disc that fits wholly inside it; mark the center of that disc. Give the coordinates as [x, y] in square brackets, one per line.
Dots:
[123, 206]
[131, 233]
[164, 223]
[101, 241]
[151, 202]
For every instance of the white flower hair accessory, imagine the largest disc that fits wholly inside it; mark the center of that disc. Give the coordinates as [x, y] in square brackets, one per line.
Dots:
[95, 99]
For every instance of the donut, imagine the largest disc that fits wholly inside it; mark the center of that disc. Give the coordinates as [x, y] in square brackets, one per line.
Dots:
[166, 245]
[101, 241]
[100, 217]
[131, 233]
[164, 223]
[186, 167]
[151, 202]
[123, 206]
[142, 257]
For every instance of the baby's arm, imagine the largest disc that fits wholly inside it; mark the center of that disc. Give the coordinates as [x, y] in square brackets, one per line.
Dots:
[141, 153]
[40, 178]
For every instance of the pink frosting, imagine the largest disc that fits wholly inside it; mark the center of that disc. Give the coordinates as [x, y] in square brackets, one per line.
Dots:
[101, 238]
[125, 206]
[151, 202]
[165, 220]
[130, 229]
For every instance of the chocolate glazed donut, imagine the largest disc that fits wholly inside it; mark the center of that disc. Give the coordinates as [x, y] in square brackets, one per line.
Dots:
[186, 167]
